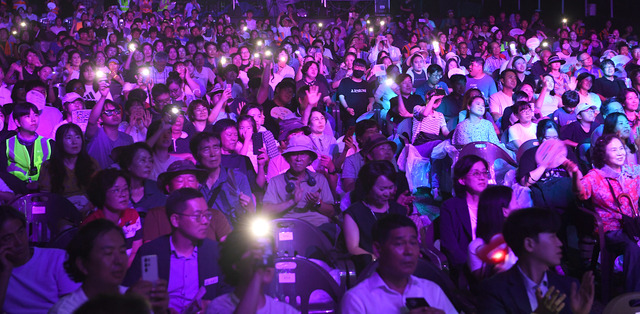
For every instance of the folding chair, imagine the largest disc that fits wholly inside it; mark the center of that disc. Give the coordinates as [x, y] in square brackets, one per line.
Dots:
[47, 215]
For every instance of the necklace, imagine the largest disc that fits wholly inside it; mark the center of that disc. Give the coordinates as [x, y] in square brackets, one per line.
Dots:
[371, 207]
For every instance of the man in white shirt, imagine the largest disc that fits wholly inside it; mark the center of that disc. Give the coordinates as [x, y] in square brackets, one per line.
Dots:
[31, 279]
[387, 290]
[504, 98]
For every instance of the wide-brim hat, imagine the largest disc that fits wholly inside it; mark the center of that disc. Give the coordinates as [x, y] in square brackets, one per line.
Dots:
[300, 143]
[375, 141]
[555, 58]
[177, 168]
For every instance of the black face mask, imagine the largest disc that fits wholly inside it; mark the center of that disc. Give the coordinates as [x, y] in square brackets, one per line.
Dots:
[358, 73]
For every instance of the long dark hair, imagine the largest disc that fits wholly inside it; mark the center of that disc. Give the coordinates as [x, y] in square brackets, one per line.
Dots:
[490, 214]
[83, 169]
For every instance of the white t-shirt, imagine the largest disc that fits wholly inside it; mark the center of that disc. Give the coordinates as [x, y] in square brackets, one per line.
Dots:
[592, 99]
[227, 303]
[521, 134]
[499, 101]
[37, 285]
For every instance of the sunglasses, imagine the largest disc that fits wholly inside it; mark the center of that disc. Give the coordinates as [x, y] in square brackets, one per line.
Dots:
[112, 112]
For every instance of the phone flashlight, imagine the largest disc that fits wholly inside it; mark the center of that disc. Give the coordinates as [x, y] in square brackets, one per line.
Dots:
[259, 43]
[223, 60]
[256, 55]
[133, 47]
[283, 59]
[370, 29]
[267, 53]
[368, 22]
[320, 25]
[146, 72]
[545, 44]
[389, 82]
[564, 21]
[244, 28]
[23, 24]
[382, 23]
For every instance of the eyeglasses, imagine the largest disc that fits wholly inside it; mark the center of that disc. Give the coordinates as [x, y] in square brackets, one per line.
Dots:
[198, 217]
[480, 174]
[112, 112]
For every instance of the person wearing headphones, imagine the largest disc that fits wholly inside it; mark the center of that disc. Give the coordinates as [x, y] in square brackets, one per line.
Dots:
[299, 192]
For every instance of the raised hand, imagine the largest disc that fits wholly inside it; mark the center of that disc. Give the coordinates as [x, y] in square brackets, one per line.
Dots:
[582, 299]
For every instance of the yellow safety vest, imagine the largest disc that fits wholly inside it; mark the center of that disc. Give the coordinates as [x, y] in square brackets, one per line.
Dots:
[19, 160]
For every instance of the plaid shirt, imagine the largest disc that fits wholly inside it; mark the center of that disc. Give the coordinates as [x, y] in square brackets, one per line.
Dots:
[597, 189]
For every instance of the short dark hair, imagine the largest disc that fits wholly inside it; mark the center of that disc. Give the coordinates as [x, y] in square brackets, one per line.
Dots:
[24, 109]
[385, 225]
[504, 73]
[82, 244]
[101, 182]
[222, 125]
[9, 212]
[528, 223]
[570, 99]
[461, 168]
[178, 198]
[159, 89]
[198, 139]
[543, 126]
[433, 68]
[478, 60]
[125, 158]
[520, 106]
[599, 154]
[458, 78]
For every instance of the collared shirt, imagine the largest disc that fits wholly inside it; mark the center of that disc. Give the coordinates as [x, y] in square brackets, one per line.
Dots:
[324, 144]
[152, 197]
[183, 278]
[374, 296]
[531, 288]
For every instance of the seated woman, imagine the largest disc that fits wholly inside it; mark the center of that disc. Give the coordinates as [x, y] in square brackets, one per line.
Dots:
[488, 253]
[70, 167]
[550, 186]
[137, 161]
[402, 105]
[459, 215]
[378, 184]
[524, 129]
[159, 139]
[475, 128]
[198, 114]
[229, 145]
[95, 243]
[618, 124]
[613, 189]
[109, 193]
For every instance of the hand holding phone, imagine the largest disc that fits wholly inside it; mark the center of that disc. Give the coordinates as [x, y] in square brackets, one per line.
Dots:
[416, 303]
[150, 268]
[258, 143]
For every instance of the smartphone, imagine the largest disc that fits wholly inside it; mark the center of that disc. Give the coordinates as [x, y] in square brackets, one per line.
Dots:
[379, 70]
[350, 131]
[416, 303]
[150, 268]
[258, 143]
[440, 92]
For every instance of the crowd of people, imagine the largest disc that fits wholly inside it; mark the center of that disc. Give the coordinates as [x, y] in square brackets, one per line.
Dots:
[168, 128]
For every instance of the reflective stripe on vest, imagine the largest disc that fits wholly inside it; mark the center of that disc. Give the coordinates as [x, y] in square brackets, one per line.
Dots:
[19, 161]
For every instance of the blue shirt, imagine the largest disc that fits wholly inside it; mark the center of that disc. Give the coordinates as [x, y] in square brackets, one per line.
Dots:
[183, 283]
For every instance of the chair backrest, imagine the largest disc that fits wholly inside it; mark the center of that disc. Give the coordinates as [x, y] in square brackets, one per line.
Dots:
[47, 214]
[525, 147]
[298, 277]
[628, 303]
[488, 151]
[296, 237]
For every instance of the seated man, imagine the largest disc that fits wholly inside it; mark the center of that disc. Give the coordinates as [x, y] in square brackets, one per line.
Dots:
[386, 290]
[299, 192]
[181, 174]
[579, 132]
[186, 258]
[531, 235]
[224, 189]
[32, 279]
[241, 260]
